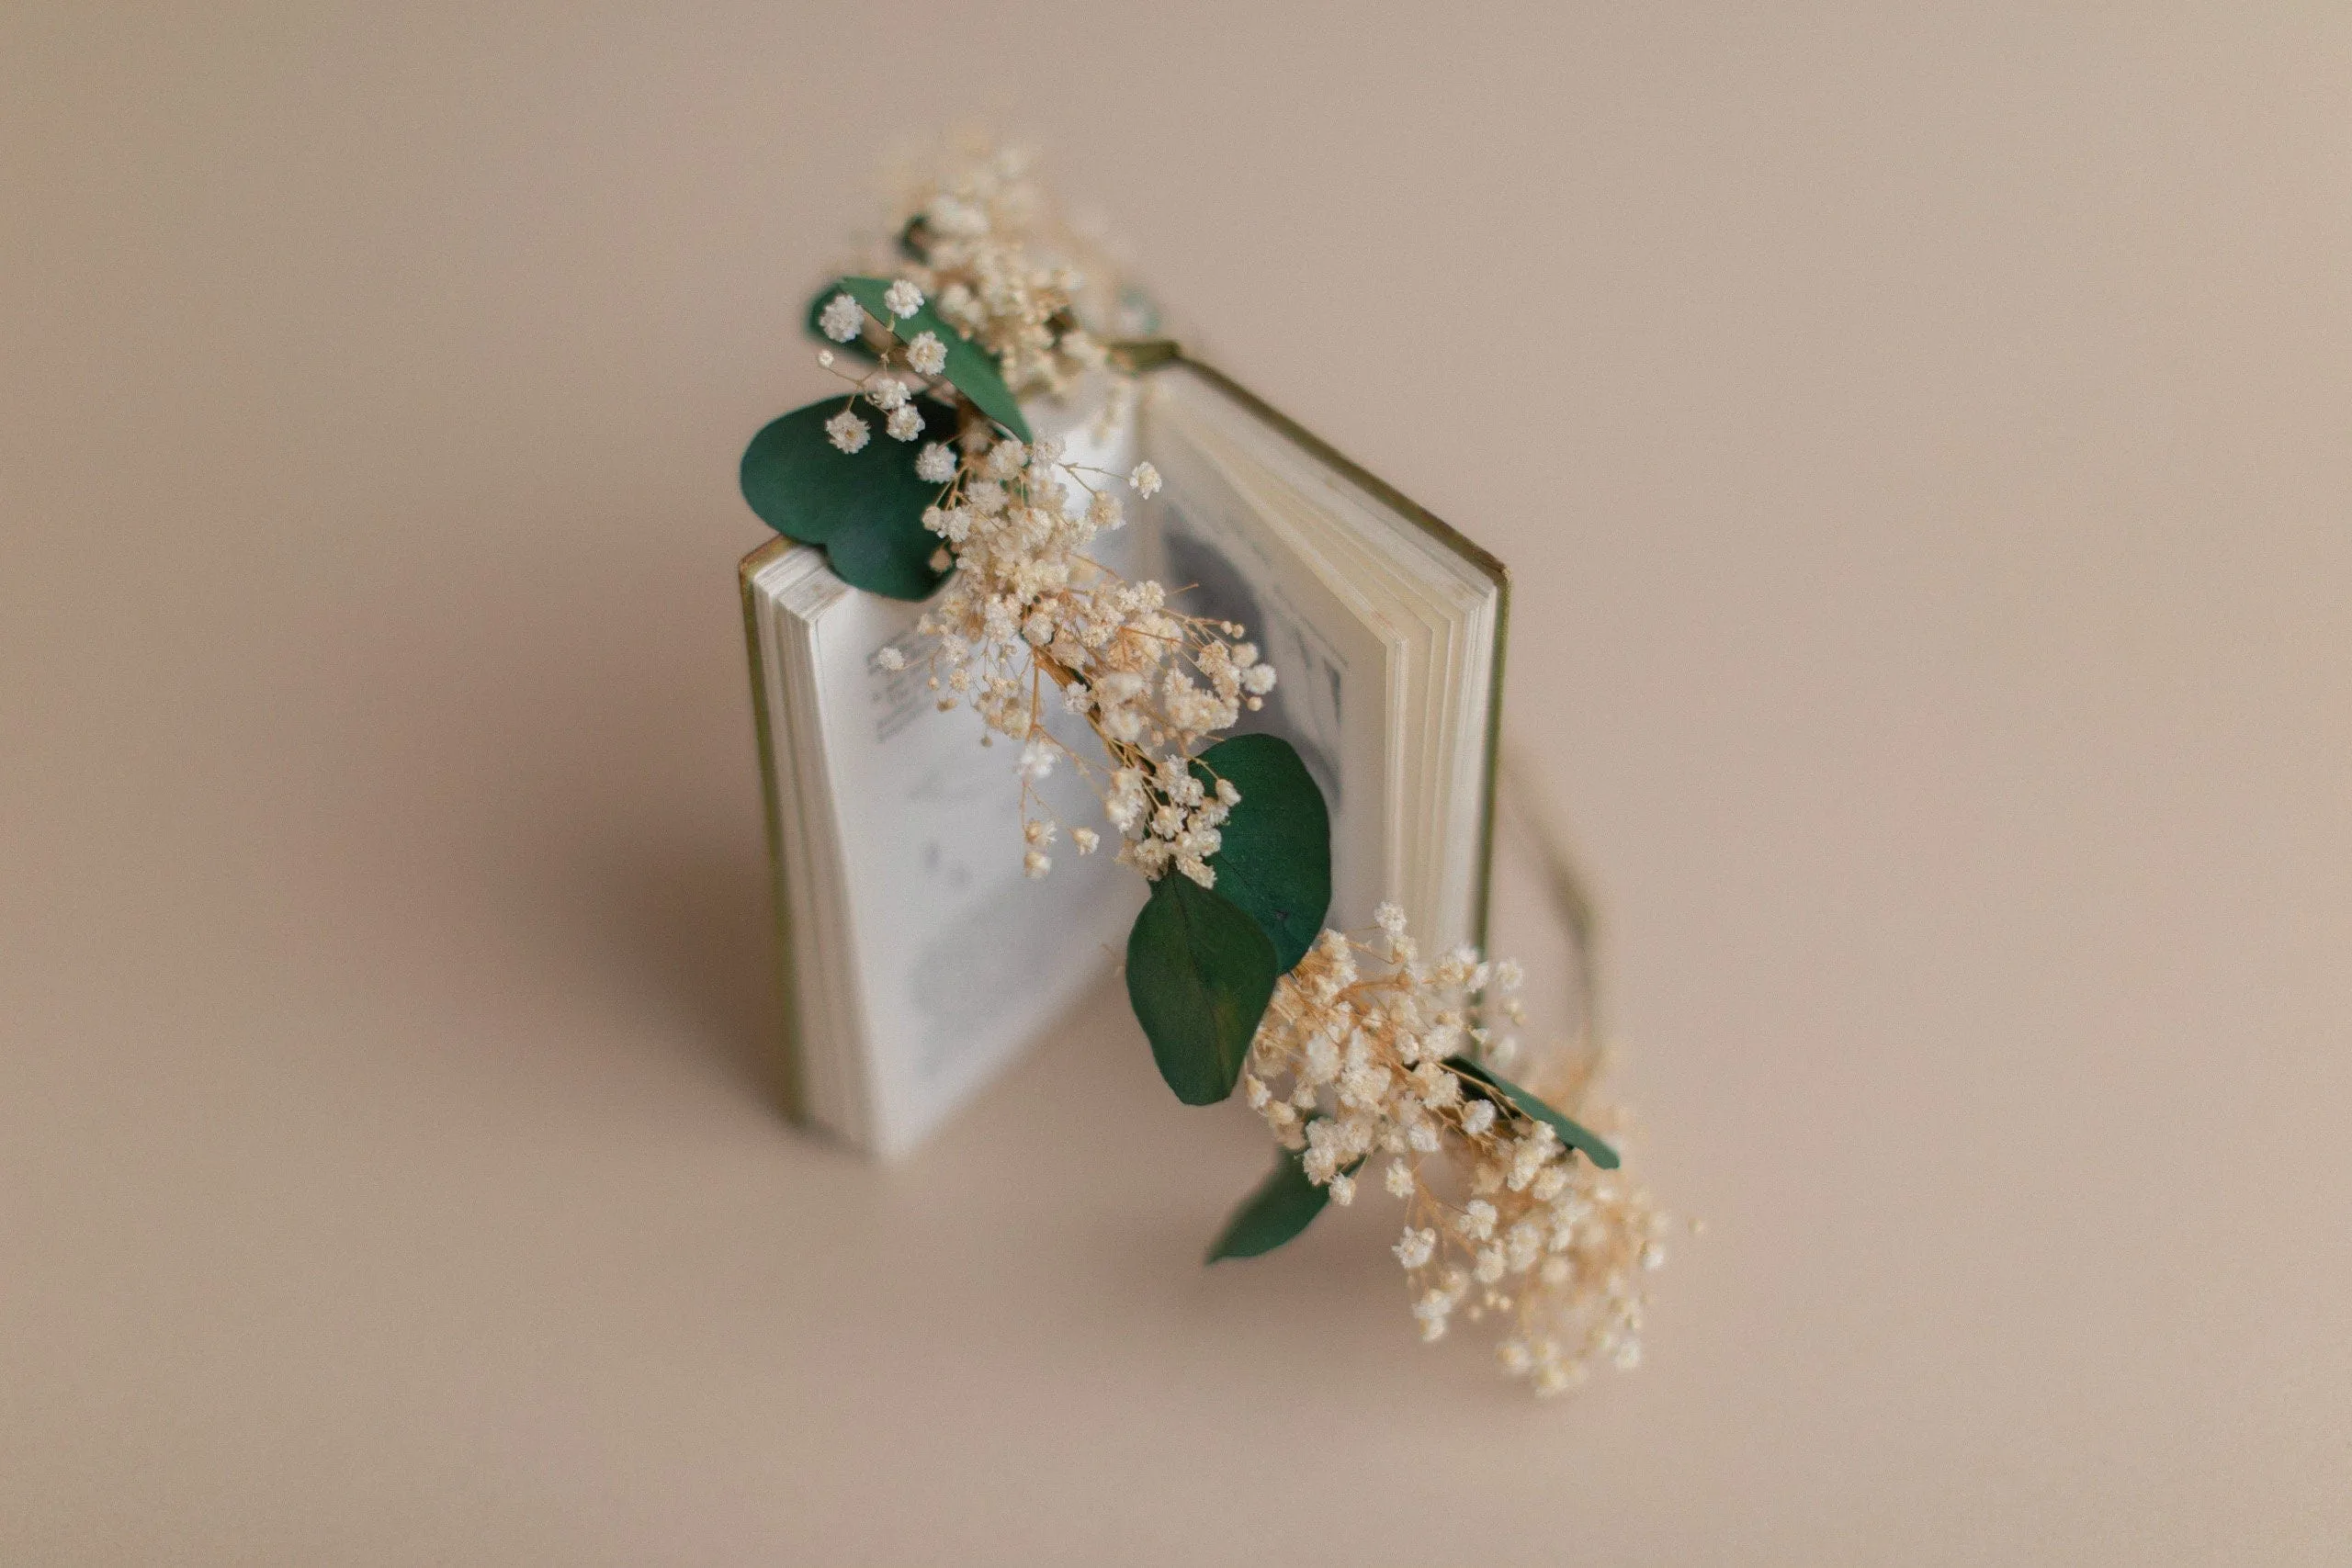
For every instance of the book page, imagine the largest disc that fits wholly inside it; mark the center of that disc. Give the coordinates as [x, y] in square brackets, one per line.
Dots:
[1333, 700]
[960, 958]
[1381, 621]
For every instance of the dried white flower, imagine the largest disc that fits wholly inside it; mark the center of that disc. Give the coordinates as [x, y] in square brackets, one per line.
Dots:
[1369, 1040]
[927, 354]
[904, 422]
[1145, 479]
[935, 464]
[903, 299]
[1416, 1248]
[842, 318]
[890, 658]
[846, 431]
[1035, 864]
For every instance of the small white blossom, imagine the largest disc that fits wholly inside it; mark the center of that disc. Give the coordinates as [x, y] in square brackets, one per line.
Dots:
[1343, 1189]
[935, 464]
[903, 299]
[1399, 1179]
[1389, 917]
[927, 354]
[1478, 1116]
[842, 318]
[1145, 479]
[846, 431]
[1035, 864]
[890, 658]
[904, 422]
[1085, 839]
[887, 392]
[1416, 1247]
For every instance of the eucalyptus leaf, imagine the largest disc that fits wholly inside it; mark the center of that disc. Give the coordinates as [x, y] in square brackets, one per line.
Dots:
[1200, 974]
[864, 507]
[1274, 860]
[1284, 1204]
[971, 369]
[1507, 1097]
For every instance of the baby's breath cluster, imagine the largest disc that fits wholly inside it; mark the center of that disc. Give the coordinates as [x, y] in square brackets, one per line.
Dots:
[1004, 270]
[1031, 619]
[1355, 1063]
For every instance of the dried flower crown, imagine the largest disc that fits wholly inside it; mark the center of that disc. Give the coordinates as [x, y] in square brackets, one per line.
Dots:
[1352, 1047]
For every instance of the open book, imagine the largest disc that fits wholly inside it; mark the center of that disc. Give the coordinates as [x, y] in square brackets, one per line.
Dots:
[916, 958]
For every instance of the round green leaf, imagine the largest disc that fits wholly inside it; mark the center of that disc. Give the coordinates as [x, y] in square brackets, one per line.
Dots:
[1200, 974]
[1274, 862]
[866, 507]
[971, 369]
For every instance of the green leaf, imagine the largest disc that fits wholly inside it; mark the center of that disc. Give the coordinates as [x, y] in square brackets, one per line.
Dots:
[856, 347]
[866, 507]
[1200, 974]
[1507, 1097]
[1284, 1204]
[971, 369]
[1274, 862]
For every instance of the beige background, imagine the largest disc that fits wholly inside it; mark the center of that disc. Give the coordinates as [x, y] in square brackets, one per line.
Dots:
[1924, 436]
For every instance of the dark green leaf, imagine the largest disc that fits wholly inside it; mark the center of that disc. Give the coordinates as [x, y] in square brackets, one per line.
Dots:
[1509, 1096]
[866, 507]
[1275, 859]
[1284, 1204]
[1200, 974]
[856, 347]
[971, 369]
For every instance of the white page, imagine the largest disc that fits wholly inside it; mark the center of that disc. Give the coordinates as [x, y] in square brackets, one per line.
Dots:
[942, 958]
[961, 959]
[1333, 700]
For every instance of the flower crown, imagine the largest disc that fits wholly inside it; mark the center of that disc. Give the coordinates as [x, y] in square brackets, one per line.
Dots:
[1351, 1046]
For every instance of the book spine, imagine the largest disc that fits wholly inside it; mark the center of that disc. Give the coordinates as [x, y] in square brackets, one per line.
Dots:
[788, 1072]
